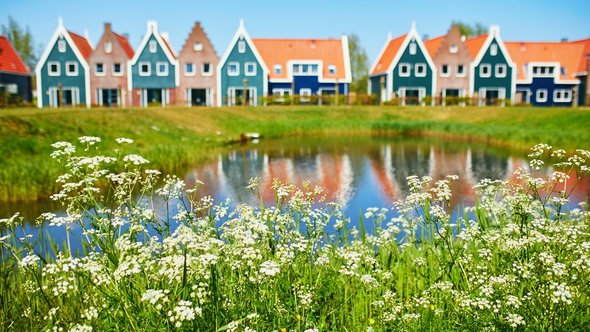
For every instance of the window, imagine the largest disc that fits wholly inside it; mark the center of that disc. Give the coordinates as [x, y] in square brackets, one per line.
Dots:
[543, 71]
[500, 70]
[61, 46]
[189, 69]
[117, 69]
[206, 69]
[198, 47]
[233, 69]
[494, 49]
[162, 68]
[420, 69]
[241, 46]
[444, 71]
[460, 70]
[453, 48]
[562, 96]
[99, 69]
[305, 69]
[53, 68]
[332, 69]
[412, 48]
[108, 47]
[541, 95]
[278, 69]
[250, 68]
[71, 68]
[404, 69]
[485, 70]
[153, 46]
[279, 94]
[145, 69]
[305, 95]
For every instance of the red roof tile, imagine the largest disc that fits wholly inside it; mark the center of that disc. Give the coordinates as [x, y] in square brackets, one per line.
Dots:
[432, 45]
[474, 45]
[82, 44]
[125, 44]
[567, 54]
[280, 51]
[583, 67]
[388, 54]
[10, 61]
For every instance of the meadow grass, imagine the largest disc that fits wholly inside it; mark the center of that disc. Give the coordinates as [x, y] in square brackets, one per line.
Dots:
[517, 260]
[173, 138]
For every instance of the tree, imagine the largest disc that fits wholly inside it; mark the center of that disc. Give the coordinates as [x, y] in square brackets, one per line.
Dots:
[22, 40]
[359, 65]
[471, 30]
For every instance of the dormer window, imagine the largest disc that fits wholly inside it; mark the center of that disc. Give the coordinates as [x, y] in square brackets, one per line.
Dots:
[242, 46]
[198, 47]
[332, 69]
[153, 46]
[494, 49]
[61, 46]
[453, 48]
[108, 47]
[412, 48]
[278, 69]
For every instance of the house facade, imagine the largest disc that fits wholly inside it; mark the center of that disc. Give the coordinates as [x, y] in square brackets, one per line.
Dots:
[198, 70]
[242, 74]
[493, 73]
[404, 70]
[15, 77]
[109, 69]
[546, 72]
[452, 60]
[63, 75]
[153, 70]
[308, 68]
[583, 91]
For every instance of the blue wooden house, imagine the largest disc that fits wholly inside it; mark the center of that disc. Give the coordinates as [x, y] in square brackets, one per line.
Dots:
[404, 70]
[242, 75]
[493, 73]
[63, 76]
[153, 70]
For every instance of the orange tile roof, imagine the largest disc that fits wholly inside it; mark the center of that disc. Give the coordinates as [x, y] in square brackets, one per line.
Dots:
[432, 45]
[280, 51]
[389, 53]
[125, 44]
[583, 67]
[82, 44]
[10, 61]
[474, 45]
[168, 46]
[567, 54]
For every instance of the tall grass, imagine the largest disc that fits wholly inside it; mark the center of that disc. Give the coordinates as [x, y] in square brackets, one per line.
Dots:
[518, 260]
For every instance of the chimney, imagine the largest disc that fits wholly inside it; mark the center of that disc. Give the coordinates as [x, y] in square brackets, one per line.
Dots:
[564, 40]
[107, 27]
[425, 37]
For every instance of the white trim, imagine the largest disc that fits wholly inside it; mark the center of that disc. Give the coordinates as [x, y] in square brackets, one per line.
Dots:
[161, 72]
[383, 49]
[305, 64]
[53, 73]
[153, 46]
[448, 71]
[556, 73]
[149, 67]
[241, 46]
[494, 49]
[563, 99]
[497, 67]
[189, 73]
[71, 72]
[237, 67]
[402, 93]
[207, 73]
[304, 94]
[121, 67]
[61, 46]
[405, 65]
[347, 68]
[108, 49]
[538, 99]
[421, 65]
[488, 67]
[249, 72]
[96, 72]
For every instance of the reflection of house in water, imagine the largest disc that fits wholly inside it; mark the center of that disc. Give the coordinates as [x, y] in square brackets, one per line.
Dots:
[488, 166]
[405, 162]
[382, 167]
[238, 167]
[454, 163]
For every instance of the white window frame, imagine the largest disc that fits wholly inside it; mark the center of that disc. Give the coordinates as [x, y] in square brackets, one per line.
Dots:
[153, 46]
[278, 70]
[53, 73]
[250, 72]
[538, 98]
[198, 47]
[207, 73]
[96, 72]
[161, 72]
[464, 73]
[305, 94]
[74, 72]
[306, 68]
[234, 64]
[494, 49]
[413, 48]
[121, 71]
[442, 71]
[453, 48]
[332, 69]
[279, 94]
[192, 71]
[504, 67]
[489, 68]
[564, 93]
[242, 46]
[424, 71]
[61, 45]
[108, 47]
[149, 67]
[405, 65]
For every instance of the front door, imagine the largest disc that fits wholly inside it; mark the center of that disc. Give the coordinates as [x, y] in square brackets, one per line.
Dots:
[412, 97]
[451, 97]
[153, 97]
[198, 97]
[108, 97]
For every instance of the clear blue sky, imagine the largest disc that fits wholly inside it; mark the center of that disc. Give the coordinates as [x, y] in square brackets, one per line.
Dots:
[532, 20]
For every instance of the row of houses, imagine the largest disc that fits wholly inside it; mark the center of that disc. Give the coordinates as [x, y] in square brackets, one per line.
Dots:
[483, 70]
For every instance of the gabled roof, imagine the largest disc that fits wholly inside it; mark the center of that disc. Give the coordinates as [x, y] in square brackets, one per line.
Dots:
[152, 29]
[197, 34]
[125, 44]
[474, 45]
[583, 66]
[282, 51]
[387, 55]
[82, 44]
[566, 54]
[432, 45]
[165, 41]
[10, 61]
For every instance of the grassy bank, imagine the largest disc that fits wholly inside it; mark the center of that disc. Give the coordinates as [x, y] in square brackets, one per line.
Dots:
[176, 137]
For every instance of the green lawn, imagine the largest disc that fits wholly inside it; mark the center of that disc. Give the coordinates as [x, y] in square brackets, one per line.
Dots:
[175, 137]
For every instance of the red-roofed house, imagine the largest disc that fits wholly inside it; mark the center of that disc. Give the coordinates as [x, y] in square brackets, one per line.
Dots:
[546, 72]
[582, 73]
[108, 69]
[63, 75]
[15, 78]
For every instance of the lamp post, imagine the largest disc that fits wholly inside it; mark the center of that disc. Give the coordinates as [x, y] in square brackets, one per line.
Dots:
[245, 101]
[381, 92]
